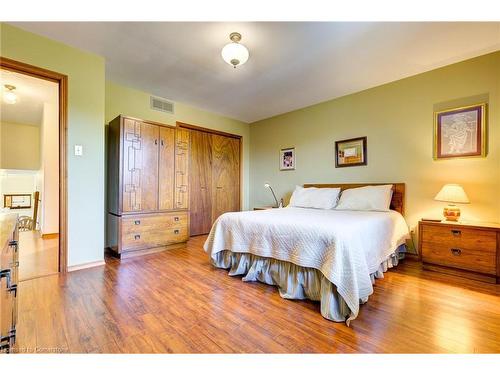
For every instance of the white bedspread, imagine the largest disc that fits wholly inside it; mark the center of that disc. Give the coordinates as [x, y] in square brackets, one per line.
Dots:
[346, 246]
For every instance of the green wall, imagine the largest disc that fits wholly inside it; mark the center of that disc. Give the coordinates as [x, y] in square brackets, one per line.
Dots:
[397, 118]
[135, 103]
[86, 82]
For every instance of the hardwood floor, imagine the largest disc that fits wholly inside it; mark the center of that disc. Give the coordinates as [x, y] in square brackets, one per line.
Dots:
[176, 302]
[37, 256]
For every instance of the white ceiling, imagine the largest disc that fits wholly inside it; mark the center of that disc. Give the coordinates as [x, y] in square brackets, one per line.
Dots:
[291, 65]
[31, 93]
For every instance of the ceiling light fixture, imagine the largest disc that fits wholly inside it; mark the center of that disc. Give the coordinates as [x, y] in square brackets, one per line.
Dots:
[9, 96]
[234, 53]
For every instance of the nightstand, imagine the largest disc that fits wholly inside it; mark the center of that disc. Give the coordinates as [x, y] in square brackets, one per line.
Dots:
[263, 208]
[466, 249]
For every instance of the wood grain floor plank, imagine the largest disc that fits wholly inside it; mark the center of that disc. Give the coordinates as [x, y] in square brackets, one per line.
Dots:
[177, 302]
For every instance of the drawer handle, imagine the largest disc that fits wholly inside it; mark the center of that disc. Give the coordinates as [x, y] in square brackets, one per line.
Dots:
[456, 232]
[137, 237]
[15, 245]
[137, 222]
[7, 274]
[176, 231]
[176, 218]
[13, 289]
[456, 252]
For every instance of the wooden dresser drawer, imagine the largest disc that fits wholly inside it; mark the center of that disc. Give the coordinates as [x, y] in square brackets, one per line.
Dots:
[153, 222]
[471, 259]
[150, 239]
[149, 231]
[455, 236]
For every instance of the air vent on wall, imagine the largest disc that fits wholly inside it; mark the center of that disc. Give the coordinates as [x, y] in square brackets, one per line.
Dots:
[163, 105]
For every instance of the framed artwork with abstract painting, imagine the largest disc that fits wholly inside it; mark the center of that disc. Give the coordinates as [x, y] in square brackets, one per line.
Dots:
[350, 152]
[287, 159]
[460, 132]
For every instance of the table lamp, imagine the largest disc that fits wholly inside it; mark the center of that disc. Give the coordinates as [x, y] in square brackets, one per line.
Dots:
[272, 191]
[452, 193]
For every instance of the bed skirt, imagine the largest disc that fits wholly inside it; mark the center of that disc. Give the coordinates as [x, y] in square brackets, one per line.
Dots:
[297, 282]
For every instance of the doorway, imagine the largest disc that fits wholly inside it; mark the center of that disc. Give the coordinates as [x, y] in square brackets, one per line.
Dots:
[33, 164]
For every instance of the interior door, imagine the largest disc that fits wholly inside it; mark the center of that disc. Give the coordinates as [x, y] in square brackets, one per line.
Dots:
[225, 175]
[140, 166]
[166, 169]
[200, 186]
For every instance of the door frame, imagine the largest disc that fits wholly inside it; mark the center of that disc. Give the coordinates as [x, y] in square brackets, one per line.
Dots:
[62, 81]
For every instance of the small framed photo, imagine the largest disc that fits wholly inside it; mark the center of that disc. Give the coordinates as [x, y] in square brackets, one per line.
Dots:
[460, 132]
[350, 152]
[287, 159]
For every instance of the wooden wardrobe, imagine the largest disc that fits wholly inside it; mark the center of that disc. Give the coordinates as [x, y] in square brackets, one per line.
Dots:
[214, 178]
[148, 186]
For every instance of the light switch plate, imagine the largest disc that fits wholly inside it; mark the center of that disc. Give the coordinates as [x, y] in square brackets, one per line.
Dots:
[78, 150]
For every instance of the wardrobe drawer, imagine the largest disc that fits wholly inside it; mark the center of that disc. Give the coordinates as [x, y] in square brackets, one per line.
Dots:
[148, 231]
[153, 222]
[149, 239]
[461, 237]
[459, 257]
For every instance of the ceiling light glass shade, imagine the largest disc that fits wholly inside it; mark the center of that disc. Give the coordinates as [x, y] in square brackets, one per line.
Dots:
[9, 96]
[235, 54]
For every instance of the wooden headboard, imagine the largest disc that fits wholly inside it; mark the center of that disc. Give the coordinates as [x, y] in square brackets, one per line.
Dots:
[398, 192]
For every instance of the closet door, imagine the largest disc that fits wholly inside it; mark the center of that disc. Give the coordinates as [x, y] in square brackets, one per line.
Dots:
[166, 169]
[225, 175]
[140, 166]
[200, 186]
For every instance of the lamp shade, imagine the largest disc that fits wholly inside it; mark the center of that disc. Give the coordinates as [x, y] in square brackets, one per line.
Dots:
[452, 193]
[235, 54]
[9, 95]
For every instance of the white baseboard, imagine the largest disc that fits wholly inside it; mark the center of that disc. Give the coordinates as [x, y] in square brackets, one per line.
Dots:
[86, 265]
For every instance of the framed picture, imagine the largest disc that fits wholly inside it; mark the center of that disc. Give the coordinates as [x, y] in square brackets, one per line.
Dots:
[287, 159]
[460, 132]
[350, 152]
[17, 201]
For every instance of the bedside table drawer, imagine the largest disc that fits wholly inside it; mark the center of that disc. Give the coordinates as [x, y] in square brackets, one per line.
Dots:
[459, 237]
[478, 260]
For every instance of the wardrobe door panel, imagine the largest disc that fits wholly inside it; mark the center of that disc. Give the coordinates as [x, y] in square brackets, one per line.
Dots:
[151, 134]
[132, 165]
[225, 175]
[200, 186]
[181, 192]
[166, 169]
[140, 166]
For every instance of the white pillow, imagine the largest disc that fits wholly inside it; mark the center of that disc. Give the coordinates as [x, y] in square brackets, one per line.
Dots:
[366, 198]
[323, 198]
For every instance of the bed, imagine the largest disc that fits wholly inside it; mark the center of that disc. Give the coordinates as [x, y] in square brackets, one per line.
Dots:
[323, 255]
